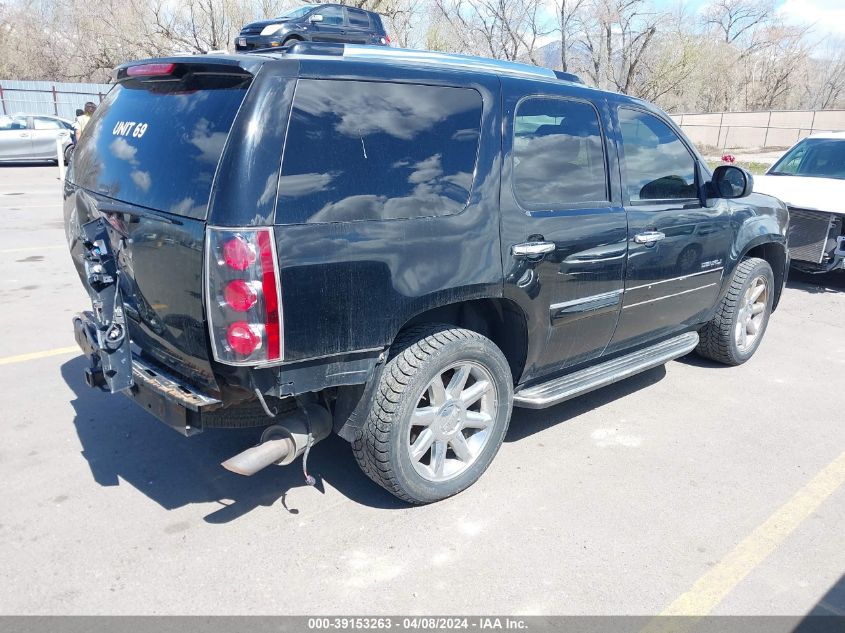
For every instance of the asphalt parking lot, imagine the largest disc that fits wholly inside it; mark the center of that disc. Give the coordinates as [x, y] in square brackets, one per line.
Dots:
[692, 488]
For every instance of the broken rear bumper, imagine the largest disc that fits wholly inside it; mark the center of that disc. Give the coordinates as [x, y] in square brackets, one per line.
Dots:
[158, 391]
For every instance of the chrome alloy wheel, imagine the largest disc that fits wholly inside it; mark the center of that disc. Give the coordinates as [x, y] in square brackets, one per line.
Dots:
[452, 421]
[752, 312]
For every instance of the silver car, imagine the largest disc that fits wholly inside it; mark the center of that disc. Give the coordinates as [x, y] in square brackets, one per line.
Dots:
[32, 137]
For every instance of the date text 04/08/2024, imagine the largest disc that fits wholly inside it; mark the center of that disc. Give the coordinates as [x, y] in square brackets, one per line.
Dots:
[429, 623]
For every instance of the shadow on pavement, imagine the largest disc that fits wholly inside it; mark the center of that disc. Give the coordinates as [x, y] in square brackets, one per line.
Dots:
[816, 284]
[694, 360]
[120, 441]
[526, 422]
[833, 602]
[828, 615]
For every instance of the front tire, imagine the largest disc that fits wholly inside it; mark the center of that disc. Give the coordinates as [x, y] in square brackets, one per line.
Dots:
[735, 332]
[439, 414]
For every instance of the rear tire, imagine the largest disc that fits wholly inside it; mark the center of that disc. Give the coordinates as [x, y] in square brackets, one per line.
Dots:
[439, 414]
[735, 332]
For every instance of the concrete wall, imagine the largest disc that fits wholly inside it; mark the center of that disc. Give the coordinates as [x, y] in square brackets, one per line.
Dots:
[776, 128]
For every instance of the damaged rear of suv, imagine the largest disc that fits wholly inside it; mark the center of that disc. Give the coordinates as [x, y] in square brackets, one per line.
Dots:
[185, 303]
[222, 293]
[398, 247]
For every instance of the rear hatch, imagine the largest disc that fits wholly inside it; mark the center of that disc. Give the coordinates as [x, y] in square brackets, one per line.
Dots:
[145, 163]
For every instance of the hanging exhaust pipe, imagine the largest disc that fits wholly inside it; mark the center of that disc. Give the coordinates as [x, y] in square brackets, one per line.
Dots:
[282, 443]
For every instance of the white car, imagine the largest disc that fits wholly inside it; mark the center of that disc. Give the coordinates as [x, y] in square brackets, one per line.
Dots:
[32, 137]
[810, 179]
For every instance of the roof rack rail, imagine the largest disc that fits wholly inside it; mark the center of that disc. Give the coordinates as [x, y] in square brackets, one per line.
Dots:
[455, 60]
[447, 59]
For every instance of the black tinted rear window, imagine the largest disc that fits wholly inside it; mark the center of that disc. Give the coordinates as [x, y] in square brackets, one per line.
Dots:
[377, 23]
[558, 154]
[358, 18]
[157, 144]
[368, 151]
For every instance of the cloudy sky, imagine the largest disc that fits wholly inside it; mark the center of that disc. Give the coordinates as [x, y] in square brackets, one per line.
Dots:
[827, 16]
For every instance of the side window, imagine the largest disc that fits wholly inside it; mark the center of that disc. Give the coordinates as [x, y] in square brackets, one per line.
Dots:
[558, 154]
[332, 15]
[370, 151]
[358, 18]
[658, 166]
[46, 124]
[12, 123]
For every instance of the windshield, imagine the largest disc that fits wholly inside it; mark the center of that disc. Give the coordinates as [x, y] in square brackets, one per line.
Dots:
[293, 14]
[818, 157]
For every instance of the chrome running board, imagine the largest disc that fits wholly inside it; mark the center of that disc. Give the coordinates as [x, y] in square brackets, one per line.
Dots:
[571, 385]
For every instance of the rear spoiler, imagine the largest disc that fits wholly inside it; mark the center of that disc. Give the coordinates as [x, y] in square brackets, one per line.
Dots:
[180, 67]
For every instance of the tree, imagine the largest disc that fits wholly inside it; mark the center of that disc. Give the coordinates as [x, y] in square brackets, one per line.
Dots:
[502, 29]
[672, 63]
[772, 74]
[733, 55]
[616, 35]
[826, 86]
[569, 21]
[733, 20]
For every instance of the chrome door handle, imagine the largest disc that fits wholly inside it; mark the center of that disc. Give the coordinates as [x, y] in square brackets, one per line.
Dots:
[649, 237]
[532, 249]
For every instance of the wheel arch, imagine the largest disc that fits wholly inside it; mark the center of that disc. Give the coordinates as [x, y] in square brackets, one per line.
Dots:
[500, 320]
[775, 253]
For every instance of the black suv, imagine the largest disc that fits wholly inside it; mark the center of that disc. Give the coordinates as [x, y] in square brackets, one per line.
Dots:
[314, 23]
[399, 247]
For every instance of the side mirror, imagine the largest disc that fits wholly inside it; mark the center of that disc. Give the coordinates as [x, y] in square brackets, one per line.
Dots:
[730, 182]
[315, 18]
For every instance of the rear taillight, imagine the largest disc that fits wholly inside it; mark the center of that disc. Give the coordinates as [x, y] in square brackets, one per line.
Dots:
[243, 338]
[238, 253]
[242, 296]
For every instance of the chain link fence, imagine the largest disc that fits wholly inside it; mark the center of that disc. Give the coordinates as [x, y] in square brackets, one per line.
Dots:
[48, 97]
